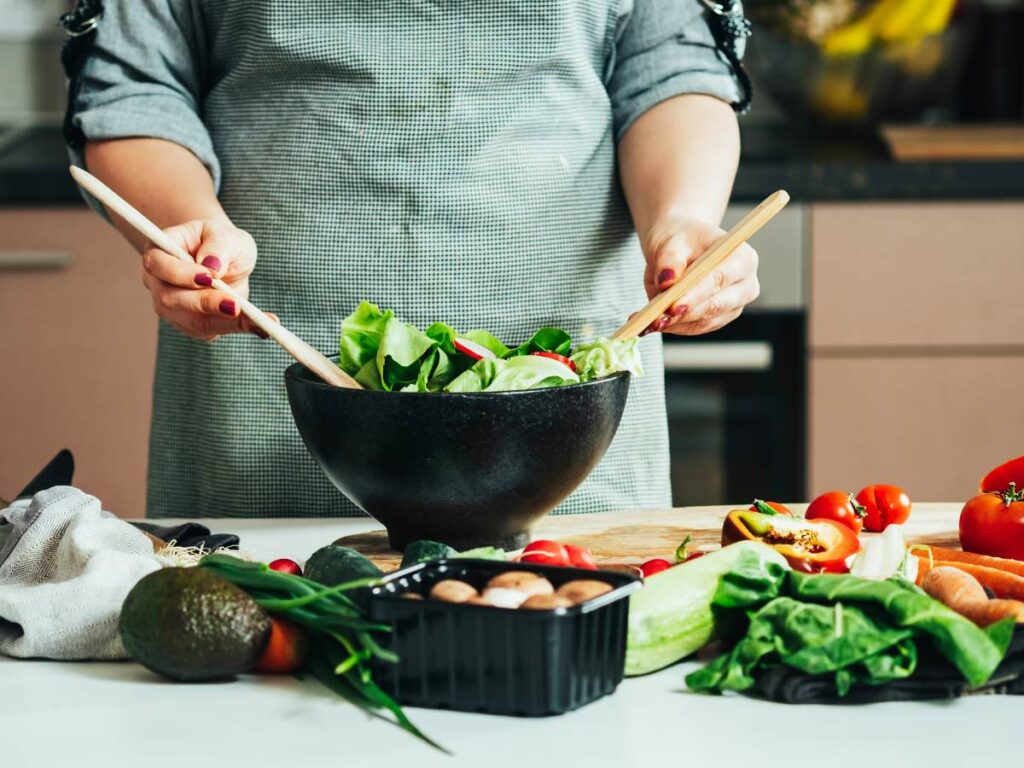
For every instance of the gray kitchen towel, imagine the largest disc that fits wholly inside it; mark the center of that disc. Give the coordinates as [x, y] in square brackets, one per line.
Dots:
[66, 566]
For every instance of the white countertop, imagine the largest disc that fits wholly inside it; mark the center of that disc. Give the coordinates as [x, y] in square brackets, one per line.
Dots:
[93, 714]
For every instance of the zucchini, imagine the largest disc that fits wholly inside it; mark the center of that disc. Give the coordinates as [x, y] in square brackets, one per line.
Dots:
[425, 551]
[671, 617]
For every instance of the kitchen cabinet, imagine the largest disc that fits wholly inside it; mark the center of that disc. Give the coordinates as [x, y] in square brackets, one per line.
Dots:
[915, 352]
[78, 346]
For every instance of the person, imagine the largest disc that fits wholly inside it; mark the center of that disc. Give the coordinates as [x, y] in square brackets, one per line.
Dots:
[499, 165]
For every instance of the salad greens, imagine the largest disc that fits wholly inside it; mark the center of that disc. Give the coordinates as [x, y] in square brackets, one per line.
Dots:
[383, 353]
[859, 631]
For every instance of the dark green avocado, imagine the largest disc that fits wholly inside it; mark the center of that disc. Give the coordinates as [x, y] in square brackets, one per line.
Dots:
[191, 625]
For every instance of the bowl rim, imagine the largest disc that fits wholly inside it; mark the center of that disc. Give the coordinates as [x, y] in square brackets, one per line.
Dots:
[293, 371]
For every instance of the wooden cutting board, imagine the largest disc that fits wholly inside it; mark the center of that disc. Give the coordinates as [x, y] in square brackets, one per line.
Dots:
[633, 537]
[955, 142]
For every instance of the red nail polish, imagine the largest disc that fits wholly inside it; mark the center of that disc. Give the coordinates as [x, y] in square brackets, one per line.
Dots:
[228, 307]
[660, 323]
[204, 280]
[666, 275]
[679, 310]
[211, 262]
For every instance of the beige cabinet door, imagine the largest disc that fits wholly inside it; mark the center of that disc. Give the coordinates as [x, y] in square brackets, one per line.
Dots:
[931, 425]
[76, 352]
[936, 275]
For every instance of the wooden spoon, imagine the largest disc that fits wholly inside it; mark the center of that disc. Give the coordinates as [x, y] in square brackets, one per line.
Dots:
[706, 264]
[292, 344]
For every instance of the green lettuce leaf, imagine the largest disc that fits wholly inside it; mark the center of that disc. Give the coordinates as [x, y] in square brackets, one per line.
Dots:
[545, 340]
[513, 374]
[604, 357]
[361, 333]
[403, 350]
[491, 342]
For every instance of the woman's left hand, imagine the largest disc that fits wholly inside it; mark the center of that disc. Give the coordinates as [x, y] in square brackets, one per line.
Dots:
[716, 300]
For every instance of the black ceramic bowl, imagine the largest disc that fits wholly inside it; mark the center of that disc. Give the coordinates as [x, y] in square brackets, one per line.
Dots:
[470, 470]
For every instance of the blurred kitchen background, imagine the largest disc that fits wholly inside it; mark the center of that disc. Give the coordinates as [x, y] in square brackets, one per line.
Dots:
[887, 345]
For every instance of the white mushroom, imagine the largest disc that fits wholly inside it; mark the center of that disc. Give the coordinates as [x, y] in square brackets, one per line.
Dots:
[523, 581]
[502, 597]
[581, 590]
[452, 591]
[546, 603]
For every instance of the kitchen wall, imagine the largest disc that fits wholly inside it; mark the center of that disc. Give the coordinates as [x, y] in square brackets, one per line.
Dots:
[32, 85]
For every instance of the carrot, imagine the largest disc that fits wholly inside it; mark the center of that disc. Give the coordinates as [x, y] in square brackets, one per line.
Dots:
[965, 595]
[1003, 584]
[285, 651]
[958, 556]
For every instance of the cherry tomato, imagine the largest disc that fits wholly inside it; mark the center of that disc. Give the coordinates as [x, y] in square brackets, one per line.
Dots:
[560, 358]
[838, 506]
[657, 565]
[992, 523]
[545, 552]
[580, 557]
[284, 565]
[884, 505]
[770, 507]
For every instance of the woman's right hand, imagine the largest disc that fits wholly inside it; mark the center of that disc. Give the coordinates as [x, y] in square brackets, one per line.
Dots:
[181, 290]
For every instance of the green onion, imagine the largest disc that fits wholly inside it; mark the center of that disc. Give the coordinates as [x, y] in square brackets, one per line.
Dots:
[340, 633]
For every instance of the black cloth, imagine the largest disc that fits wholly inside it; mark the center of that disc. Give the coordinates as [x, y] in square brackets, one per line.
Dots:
[191, 535]
[935, 678]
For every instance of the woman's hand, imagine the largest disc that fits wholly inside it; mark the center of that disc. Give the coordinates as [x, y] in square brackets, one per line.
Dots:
[181, 290]
[716, 300]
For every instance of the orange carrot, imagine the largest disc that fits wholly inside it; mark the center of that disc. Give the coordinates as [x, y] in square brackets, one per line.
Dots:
[965, 595]
[1003, 584]
[958, 556]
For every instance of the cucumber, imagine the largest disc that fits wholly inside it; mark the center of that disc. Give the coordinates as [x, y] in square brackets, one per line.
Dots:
[424, 551]
[332, 565]
[671, 617]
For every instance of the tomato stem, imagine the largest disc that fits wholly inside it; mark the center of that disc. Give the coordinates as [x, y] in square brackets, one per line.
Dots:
[1010, 495]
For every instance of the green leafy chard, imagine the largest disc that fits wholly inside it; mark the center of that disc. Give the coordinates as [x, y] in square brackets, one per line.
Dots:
[859, 631]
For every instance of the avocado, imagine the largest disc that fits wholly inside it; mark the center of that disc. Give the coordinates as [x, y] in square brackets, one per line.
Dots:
[332, 565]
[189, 624]
[425, 551]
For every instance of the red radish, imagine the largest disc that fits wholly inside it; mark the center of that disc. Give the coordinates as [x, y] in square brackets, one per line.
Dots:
[657, 565]
[580, 557]
[560, 358]
[284, 565]
[545, 552]
[474, 350]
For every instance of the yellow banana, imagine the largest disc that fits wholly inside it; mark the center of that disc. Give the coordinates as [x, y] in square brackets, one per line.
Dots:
[936, 17]
[857, 36]
[903, 22]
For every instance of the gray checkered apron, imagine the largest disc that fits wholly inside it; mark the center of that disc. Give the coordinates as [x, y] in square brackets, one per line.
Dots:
[454, 161]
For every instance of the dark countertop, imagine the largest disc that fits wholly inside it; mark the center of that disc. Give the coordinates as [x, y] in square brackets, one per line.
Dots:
[811, 166]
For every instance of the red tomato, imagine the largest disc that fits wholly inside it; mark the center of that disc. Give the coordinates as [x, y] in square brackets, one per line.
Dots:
[657, 565]
[580, 557]
[838, 506]
[884, 505]
[770, 507]
[993, 524]
[545, 552]
[284, 565]
[560, 358]
[999, 479]
[286, 649]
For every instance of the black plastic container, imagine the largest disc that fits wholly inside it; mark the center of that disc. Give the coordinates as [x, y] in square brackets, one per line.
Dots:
[498, 660]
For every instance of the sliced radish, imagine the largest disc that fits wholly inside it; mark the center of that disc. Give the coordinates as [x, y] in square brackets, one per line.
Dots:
[474, 350]
[560, 358]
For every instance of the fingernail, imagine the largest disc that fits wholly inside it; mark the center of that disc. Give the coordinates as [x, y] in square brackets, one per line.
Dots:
[211, 262]
[679, 310]
[666, 275]
[260, 332]
[228, 307]
[644, 332]
[204, 280]
[660, 323]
